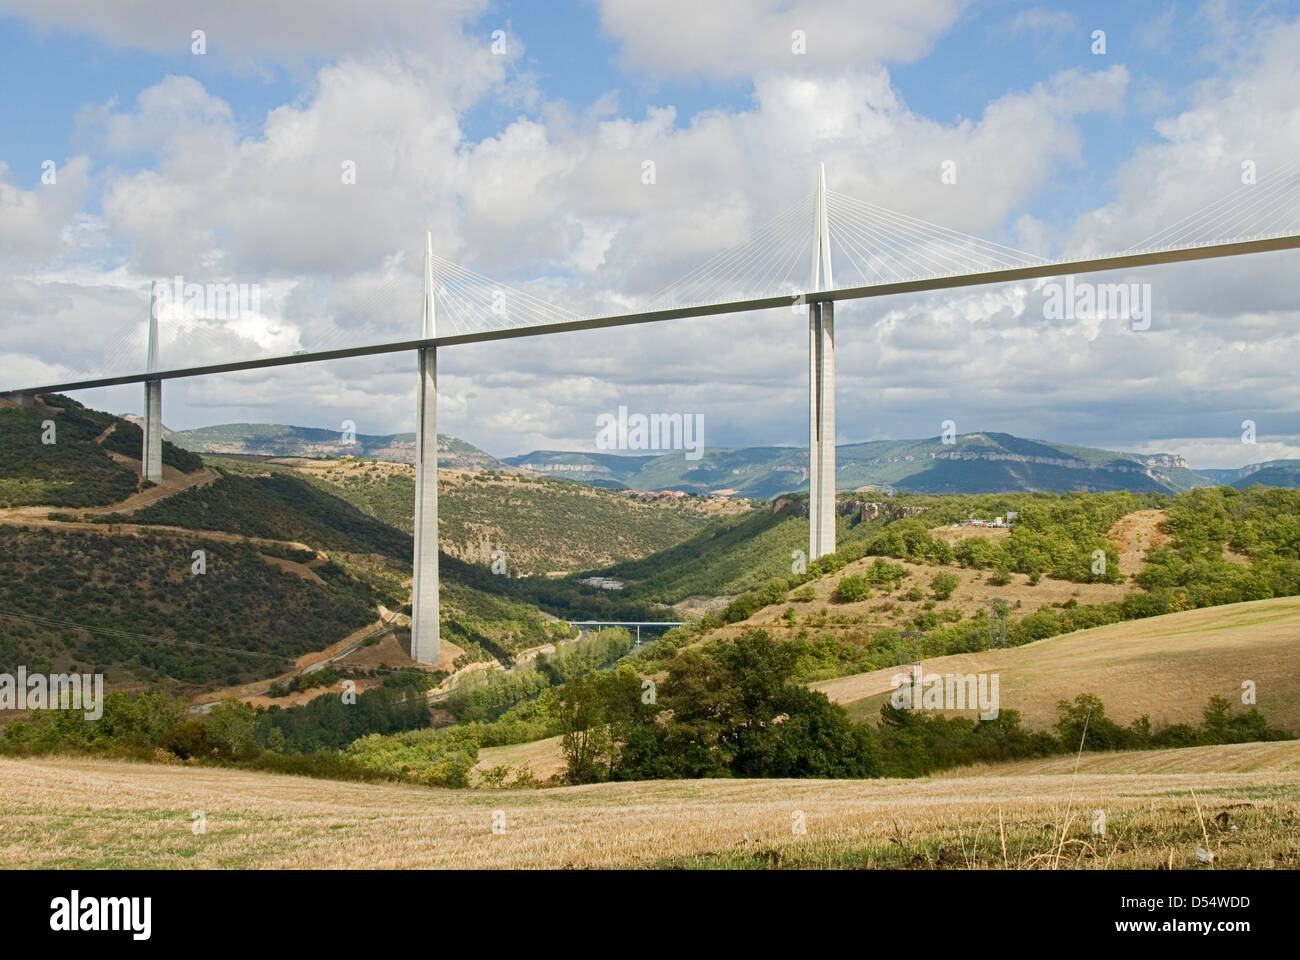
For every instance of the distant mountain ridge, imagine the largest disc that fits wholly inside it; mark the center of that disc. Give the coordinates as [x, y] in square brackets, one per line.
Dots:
[986, 462]
[279, 440]
[970, 463]
[1271, 473]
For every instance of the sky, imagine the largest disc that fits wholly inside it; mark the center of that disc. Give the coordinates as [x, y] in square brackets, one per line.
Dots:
[305, 158]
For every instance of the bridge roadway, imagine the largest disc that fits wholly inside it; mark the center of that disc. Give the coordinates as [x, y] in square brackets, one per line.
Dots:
[1057, 269]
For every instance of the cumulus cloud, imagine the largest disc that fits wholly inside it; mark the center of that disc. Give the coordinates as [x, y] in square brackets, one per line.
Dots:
[1043, 23]
[247, 31]
[558, 203]
[739, 38]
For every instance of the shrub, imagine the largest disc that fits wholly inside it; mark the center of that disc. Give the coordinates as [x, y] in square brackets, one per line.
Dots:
[943, 585]
[851, 589]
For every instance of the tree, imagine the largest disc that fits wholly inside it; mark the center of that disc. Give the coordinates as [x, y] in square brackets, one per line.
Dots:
[851, 589]
[230, 726]
[943, 585]
[599, 714]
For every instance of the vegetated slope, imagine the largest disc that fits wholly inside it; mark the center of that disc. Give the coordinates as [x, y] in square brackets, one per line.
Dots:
[298, 822]
[142, 591]
[1279, 473]
[745, 553]
[241, 619]
[1070, 562]
[542, 526]
[726, 557]
[1165, 667]
[277, 506]
[280, 440]
[480, 612]
[76, 470]
[970, 463]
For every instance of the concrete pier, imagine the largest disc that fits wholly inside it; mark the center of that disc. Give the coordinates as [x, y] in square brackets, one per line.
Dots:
[425, 625]
[151, 456]
[821, 388]
[821, 429]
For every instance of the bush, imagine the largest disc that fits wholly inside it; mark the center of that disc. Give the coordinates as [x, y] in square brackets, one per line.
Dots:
[851, 589]
[943, 585]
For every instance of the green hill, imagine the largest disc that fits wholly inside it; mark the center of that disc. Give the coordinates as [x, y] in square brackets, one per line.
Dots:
[76, 469]
[131, 607]
[1270, 473]
[116, 593]
[279, 440]
[543, 526]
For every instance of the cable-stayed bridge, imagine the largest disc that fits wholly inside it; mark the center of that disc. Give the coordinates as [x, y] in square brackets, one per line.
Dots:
[878, 251]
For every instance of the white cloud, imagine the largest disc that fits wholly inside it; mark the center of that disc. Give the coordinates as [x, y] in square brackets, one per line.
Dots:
[739, 38]
[561, 197]
[1043, 23]
[248, 31]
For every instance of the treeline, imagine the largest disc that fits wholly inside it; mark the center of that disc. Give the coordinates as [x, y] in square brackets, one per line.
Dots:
[736, 709]
[729, 709]
[306, 739]
[487, 694]
[1062, 538]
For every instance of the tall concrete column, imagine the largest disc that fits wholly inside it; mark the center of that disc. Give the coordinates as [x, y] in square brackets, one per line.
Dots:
[151, 456]
[821, 429]
[821, 388]
[425, 624]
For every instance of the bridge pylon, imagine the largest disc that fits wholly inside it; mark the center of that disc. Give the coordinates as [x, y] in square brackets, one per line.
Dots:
[821, 387]
[425, 623]
[151, 455]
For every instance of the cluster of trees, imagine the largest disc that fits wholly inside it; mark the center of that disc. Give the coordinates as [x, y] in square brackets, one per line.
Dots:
[736, 709]
[438, 758]
[1261, 523]
[487, 694]
[306, 739]
[304, 681]
[1060, 541]
[715, 715]
[857, 587]
[327, 723]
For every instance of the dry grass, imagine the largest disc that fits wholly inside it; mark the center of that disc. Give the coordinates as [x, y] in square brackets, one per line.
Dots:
[95, 813]
[542, 757]
[1135, 535]
[1166, 667]
[1275, 757]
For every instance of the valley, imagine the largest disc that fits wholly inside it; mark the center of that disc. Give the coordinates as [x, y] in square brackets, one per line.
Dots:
[1146, 599]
